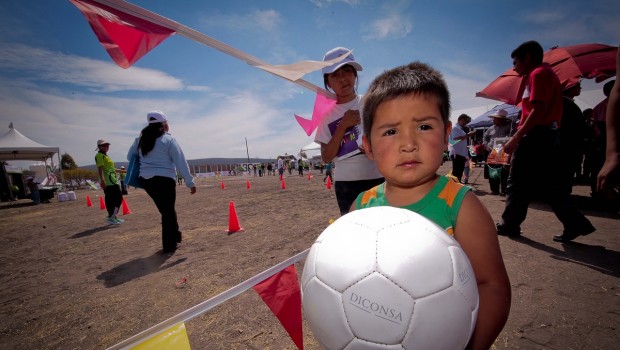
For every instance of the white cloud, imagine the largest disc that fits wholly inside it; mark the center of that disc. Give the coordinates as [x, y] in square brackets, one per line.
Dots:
[325, 3]
[43, 65]
[569, 25]
[210, 125]
[268, 21]
[393, 26]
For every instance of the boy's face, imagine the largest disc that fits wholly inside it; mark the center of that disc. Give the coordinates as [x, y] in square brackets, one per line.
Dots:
[408, 139]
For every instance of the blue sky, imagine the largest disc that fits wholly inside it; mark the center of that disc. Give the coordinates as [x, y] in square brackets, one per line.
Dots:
[60, 88]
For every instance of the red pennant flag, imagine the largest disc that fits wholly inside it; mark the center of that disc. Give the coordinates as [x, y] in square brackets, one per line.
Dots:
[126, 38]
[282, 294]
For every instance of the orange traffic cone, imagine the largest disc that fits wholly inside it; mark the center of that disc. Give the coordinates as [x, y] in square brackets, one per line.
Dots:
[101, 203]
[329, 183]
[308, 176]
[222, 185]
[283, 185]
[126, 210]
[247, 184]
[88, 201]
[233, 220]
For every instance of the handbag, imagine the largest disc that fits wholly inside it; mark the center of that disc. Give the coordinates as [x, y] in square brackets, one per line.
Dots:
[495, 173]
[133, 172]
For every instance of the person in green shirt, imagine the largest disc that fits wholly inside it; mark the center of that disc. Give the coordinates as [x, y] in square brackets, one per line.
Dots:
[109, 182]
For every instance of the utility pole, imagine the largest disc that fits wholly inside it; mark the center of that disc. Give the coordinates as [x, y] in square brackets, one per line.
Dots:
[248, 154]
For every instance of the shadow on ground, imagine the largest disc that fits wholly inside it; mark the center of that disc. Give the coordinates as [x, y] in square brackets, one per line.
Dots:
[91, 231]
[136, 268]
[593, 256]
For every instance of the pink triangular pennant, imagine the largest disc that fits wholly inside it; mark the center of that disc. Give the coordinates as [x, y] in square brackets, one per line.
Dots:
[126, 38]
[322, 106]
[306, 124]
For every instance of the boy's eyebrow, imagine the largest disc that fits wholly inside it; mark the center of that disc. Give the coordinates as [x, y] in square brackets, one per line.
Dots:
[417, 119]
[387, 125]
[425, 118]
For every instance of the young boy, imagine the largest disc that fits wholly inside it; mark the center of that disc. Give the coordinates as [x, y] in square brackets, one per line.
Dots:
[406, 128]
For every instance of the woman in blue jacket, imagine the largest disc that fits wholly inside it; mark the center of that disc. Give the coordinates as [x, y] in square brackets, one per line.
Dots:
[160, 158]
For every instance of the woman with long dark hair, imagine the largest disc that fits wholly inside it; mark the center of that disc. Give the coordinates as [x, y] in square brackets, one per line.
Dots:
[160, 157]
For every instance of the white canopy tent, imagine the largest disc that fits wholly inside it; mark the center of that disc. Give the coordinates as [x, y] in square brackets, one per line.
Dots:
[310, 151]
[311, 147]
[15, 146]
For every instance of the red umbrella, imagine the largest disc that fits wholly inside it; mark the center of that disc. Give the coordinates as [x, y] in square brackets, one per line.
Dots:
[570, 63]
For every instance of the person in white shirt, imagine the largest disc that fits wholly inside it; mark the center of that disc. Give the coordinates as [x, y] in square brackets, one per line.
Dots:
[340, 130]
[459, 145]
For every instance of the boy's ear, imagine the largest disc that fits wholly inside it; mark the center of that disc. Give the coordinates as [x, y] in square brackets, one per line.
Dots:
[446, 136]
[367, 147]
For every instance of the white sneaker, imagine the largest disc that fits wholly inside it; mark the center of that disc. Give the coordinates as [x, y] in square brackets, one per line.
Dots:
[112, 221]
[119, 221]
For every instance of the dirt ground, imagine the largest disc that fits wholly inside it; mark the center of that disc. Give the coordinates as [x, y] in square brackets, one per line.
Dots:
[70, 281]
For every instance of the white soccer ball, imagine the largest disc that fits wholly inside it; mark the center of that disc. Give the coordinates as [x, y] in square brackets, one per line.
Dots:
[388, 278]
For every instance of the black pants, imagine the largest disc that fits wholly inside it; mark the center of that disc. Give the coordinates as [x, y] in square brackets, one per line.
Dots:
[163, 192]
[458, 166]
[533, 167]
[347, 192]
[113, 199]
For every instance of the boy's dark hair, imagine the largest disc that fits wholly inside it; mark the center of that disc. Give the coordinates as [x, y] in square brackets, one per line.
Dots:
[414, 78]
[531, 48]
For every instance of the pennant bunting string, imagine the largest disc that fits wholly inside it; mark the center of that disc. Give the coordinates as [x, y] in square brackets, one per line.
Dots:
[126, 11]
[207, 305]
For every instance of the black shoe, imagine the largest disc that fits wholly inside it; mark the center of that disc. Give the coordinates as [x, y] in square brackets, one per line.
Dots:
[170, 251]
[568, 236]
[503, 230]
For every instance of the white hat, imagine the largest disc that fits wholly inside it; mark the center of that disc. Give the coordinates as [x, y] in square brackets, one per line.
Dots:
[101, 143]
[337, 52]
[500, 113]
[156, 117]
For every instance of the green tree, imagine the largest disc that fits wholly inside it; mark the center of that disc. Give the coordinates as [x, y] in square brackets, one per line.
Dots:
[67, 162]
[76, 177]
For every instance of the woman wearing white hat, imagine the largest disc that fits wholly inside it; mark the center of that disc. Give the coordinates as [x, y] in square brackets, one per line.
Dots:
[160, 157]
[109, 182]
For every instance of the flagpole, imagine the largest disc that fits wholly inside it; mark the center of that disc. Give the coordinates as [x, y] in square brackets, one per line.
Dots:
[207, 305]
[194, 35]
